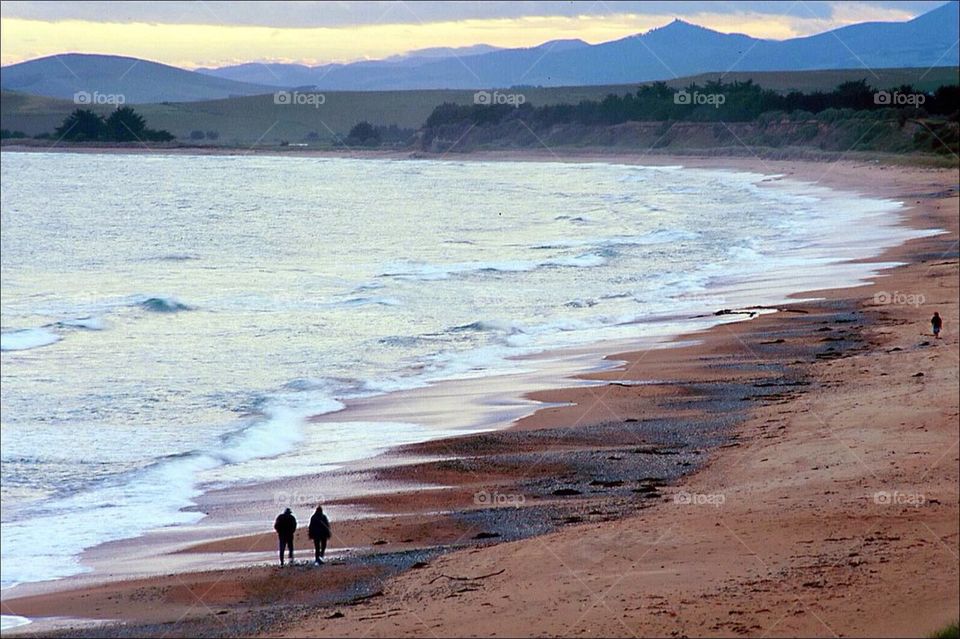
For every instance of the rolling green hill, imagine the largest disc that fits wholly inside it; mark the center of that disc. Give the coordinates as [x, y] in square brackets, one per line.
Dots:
[259, 120]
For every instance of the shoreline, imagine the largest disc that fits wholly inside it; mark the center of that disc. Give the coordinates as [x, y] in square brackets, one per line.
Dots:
[568, 154]
[558, 417]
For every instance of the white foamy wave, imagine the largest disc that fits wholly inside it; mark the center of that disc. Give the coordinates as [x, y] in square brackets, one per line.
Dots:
[27, 338]
[577, 219]
[392, 384]
[478, 362]
[490, 325]
[277, 433]
[370, 301]
[131, 504]
[581, 261]
[123, 507]
[657, 236]
[750, 252]
[9, 622]
[338, 388]
[427, 272]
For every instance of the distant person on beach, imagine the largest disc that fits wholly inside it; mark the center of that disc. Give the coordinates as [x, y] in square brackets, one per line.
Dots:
[285, 526]
[937, 324]
[319, 532]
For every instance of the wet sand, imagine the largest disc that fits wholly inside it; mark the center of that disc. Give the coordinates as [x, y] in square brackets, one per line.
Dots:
[790, 475]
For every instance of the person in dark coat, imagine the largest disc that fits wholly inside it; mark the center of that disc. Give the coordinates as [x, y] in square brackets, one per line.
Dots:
[319, 532]
[936, 323]
[286, 526]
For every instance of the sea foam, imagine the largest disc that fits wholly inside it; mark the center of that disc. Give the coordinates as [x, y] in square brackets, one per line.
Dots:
[27, 338]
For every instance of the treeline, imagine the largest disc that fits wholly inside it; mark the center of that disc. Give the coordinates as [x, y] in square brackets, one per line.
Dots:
[364, 134]
[123, 125]
[712, 102]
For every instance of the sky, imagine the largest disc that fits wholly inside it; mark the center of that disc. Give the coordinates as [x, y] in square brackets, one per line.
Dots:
[208, 33]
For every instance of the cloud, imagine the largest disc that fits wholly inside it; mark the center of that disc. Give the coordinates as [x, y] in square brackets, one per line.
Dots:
[337, 14]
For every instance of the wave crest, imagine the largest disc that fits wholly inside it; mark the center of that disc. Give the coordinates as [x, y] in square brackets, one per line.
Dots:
[163, 305]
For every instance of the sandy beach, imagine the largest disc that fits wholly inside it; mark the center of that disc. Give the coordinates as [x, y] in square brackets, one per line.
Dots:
[791, 475]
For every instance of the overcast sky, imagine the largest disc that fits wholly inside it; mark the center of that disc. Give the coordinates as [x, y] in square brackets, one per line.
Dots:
[192, 34]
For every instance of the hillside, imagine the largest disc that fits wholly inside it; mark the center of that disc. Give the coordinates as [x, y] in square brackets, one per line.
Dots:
[136, 80]
[256, 119]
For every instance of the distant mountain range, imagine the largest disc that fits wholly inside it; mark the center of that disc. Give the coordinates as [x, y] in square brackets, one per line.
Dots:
[678, 49]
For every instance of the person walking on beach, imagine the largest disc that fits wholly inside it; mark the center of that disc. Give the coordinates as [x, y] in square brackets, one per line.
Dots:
[319, 532]
[937, 324]
[285, 525]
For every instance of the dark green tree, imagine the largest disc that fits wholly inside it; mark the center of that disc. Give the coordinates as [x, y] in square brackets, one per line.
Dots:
[158, 135]
[125, 125]
[363, 134]
[82, 125]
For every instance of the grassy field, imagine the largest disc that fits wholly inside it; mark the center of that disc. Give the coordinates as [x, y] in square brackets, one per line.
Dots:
[259, 120]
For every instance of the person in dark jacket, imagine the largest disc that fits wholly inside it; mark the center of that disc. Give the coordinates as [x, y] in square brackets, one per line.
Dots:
[285, 526]
[936, 323]
[319, 532]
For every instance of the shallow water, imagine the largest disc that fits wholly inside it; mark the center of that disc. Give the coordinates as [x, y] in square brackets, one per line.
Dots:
[170, 321]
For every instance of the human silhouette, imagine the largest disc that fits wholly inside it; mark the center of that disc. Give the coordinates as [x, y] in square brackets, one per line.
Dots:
[319, 532]
[286, 526]
[937, 324]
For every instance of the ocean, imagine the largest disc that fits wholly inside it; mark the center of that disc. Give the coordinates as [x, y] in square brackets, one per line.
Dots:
[170, 321]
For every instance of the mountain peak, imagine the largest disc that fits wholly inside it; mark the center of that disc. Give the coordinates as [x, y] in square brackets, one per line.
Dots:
[562, 45]
[677, 29]
[683, 25]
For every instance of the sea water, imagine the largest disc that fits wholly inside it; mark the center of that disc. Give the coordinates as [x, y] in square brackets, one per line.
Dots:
[169, 322]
